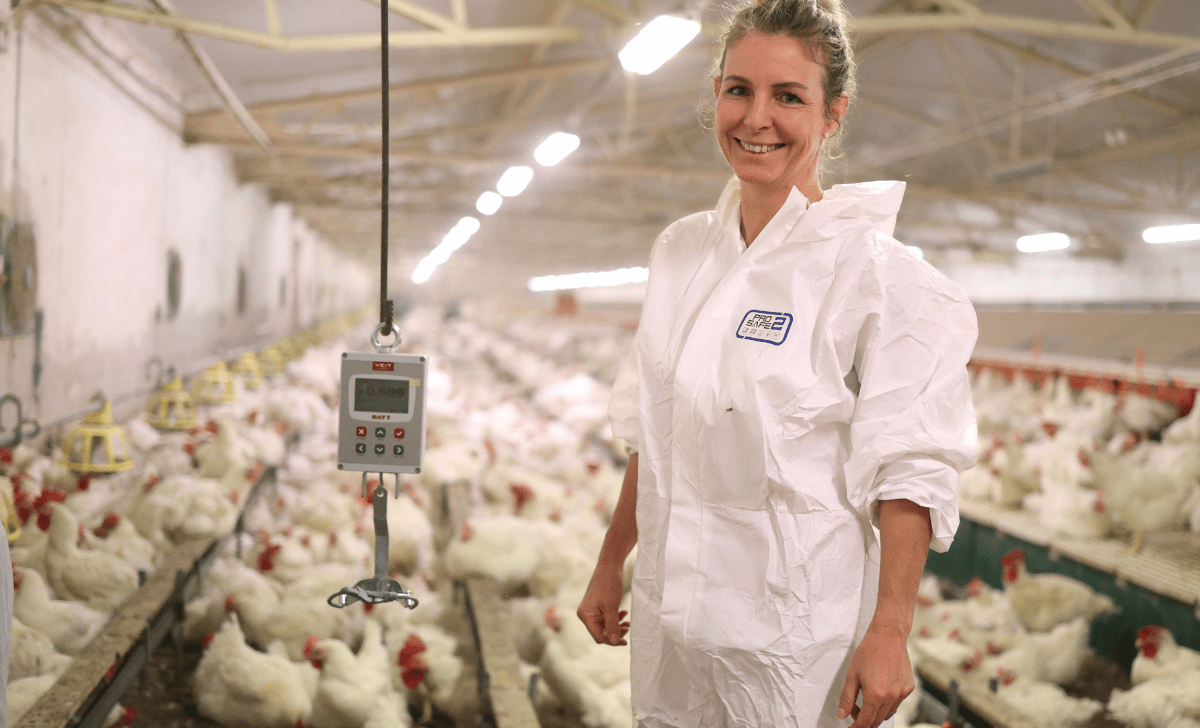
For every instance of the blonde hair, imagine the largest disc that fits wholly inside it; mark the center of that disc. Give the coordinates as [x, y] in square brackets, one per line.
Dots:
[818, 24]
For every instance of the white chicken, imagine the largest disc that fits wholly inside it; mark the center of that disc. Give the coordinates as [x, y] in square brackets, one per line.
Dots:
[1043, 601]
[99, 579]
[240, 687]
[1163, 701]
[227, 451]
[1046, 703]
[1054, 657]
[349, 684]
[32, 654]
[1159, 655]
[1147, 489]
[69, 625]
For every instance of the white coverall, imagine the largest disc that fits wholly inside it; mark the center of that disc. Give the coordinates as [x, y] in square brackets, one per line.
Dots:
[775, 393]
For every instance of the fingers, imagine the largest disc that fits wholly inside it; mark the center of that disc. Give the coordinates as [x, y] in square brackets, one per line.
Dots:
[593, 622]
[849, 696]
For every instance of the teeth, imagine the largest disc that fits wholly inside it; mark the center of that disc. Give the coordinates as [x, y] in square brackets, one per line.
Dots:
[758, 149]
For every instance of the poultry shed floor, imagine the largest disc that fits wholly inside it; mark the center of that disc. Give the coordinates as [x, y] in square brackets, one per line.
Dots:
[1097, 679]
[163, 696]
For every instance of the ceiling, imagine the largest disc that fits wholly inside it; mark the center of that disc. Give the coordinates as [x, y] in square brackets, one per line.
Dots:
[1005, 117]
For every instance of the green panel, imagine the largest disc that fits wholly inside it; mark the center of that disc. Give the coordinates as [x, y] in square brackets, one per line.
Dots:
[977, 550]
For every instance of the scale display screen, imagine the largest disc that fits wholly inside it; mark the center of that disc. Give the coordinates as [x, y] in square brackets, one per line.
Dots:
[381, 395]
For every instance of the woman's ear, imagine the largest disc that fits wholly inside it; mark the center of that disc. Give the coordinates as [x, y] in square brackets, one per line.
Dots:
[837, 111]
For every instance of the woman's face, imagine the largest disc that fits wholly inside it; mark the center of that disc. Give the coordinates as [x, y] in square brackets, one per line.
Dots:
[771, 111]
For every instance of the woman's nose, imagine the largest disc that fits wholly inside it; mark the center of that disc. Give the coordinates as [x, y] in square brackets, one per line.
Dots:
[758, 113]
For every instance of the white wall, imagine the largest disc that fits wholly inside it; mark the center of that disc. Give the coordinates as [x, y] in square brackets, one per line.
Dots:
[107, 183]
[1149, 274]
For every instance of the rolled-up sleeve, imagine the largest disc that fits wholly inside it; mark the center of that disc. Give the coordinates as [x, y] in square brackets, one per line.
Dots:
[913, 428]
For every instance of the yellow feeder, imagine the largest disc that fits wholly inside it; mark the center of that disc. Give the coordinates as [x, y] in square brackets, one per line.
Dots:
[248, 368]
[215, 386]
[171, 407]
[12, 523]
[98, 445]
[271, 360]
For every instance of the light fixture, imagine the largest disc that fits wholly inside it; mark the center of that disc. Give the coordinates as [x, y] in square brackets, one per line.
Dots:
[594, 279]
[514, 181]
[916, 251]
[556, 148]
[488, 203]
[1172, 234]
[453, 240]
[656, 43]
[1043, 242]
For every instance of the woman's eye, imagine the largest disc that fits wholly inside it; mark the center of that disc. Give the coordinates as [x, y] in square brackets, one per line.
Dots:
[736, 91]
[788, 98]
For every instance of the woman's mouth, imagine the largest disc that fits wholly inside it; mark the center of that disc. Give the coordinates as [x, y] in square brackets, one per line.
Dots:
[759, 148]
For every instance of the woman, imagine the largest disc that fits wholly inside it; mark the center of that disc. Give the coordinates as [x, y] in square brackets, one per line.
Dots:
[798, 401]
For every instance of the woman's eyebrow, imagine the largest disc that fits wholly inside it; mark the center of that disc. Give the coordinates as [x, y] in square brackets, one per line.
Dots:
[785, 84]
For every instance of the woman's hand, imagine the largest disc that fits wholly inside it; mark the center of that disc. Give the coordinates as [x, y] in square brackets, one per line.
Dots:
[881, 671]
[600, 609]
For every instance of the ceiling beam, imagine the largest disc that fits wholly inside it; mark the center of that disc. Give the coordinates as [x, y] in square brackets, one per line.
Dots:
[1072, 95]
[1156, 142]
[469, 37]
[1106, 13]
[924, 22]
[609, 10]
[209, 68]
[1030, 53]
[201, 123]
[422, 16]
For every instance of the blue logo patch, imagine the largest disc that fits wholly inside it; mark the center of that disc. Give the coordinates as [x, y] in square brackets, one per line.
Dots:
[768, 327]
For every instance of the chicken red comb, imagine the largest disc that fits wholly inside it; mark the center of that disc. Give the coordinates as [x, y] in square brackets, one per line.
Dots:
[231, 603]
[128, 716]
[1149, 632]
[1012, 557]
[414, 674]
[413, 646]
[522, 494]
[208, 638]
[6, 456]
[309, 646]
[84, 482]
[975, 586]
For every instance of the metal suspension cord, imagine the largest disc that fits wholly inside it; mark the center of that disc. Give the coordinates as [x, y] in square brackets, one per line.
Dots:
[385, 306]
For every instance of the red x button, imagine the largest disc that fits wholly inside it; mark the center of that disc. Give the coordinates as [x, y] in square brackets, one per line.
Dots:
[399, 433]
[360, 431]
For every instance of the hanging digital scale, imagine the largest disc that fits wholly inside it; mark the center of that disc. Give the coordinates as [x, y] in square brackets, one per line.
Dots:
[381, 429]
[381, 418]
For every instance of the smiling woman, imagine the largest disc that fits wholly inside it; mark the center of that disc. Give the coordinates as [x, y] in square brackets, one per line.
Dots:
[798, 377]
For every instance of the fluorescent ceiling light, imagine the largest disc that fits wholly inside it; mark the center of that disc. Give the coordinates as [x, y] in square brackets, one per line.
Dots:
[916, 251]
[1172, 234]
[514, 181]
[656, 43]
[453, 240]
[488, 203]
[469, 225]
[589, 280]
[556, 148]
[1043, 242]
